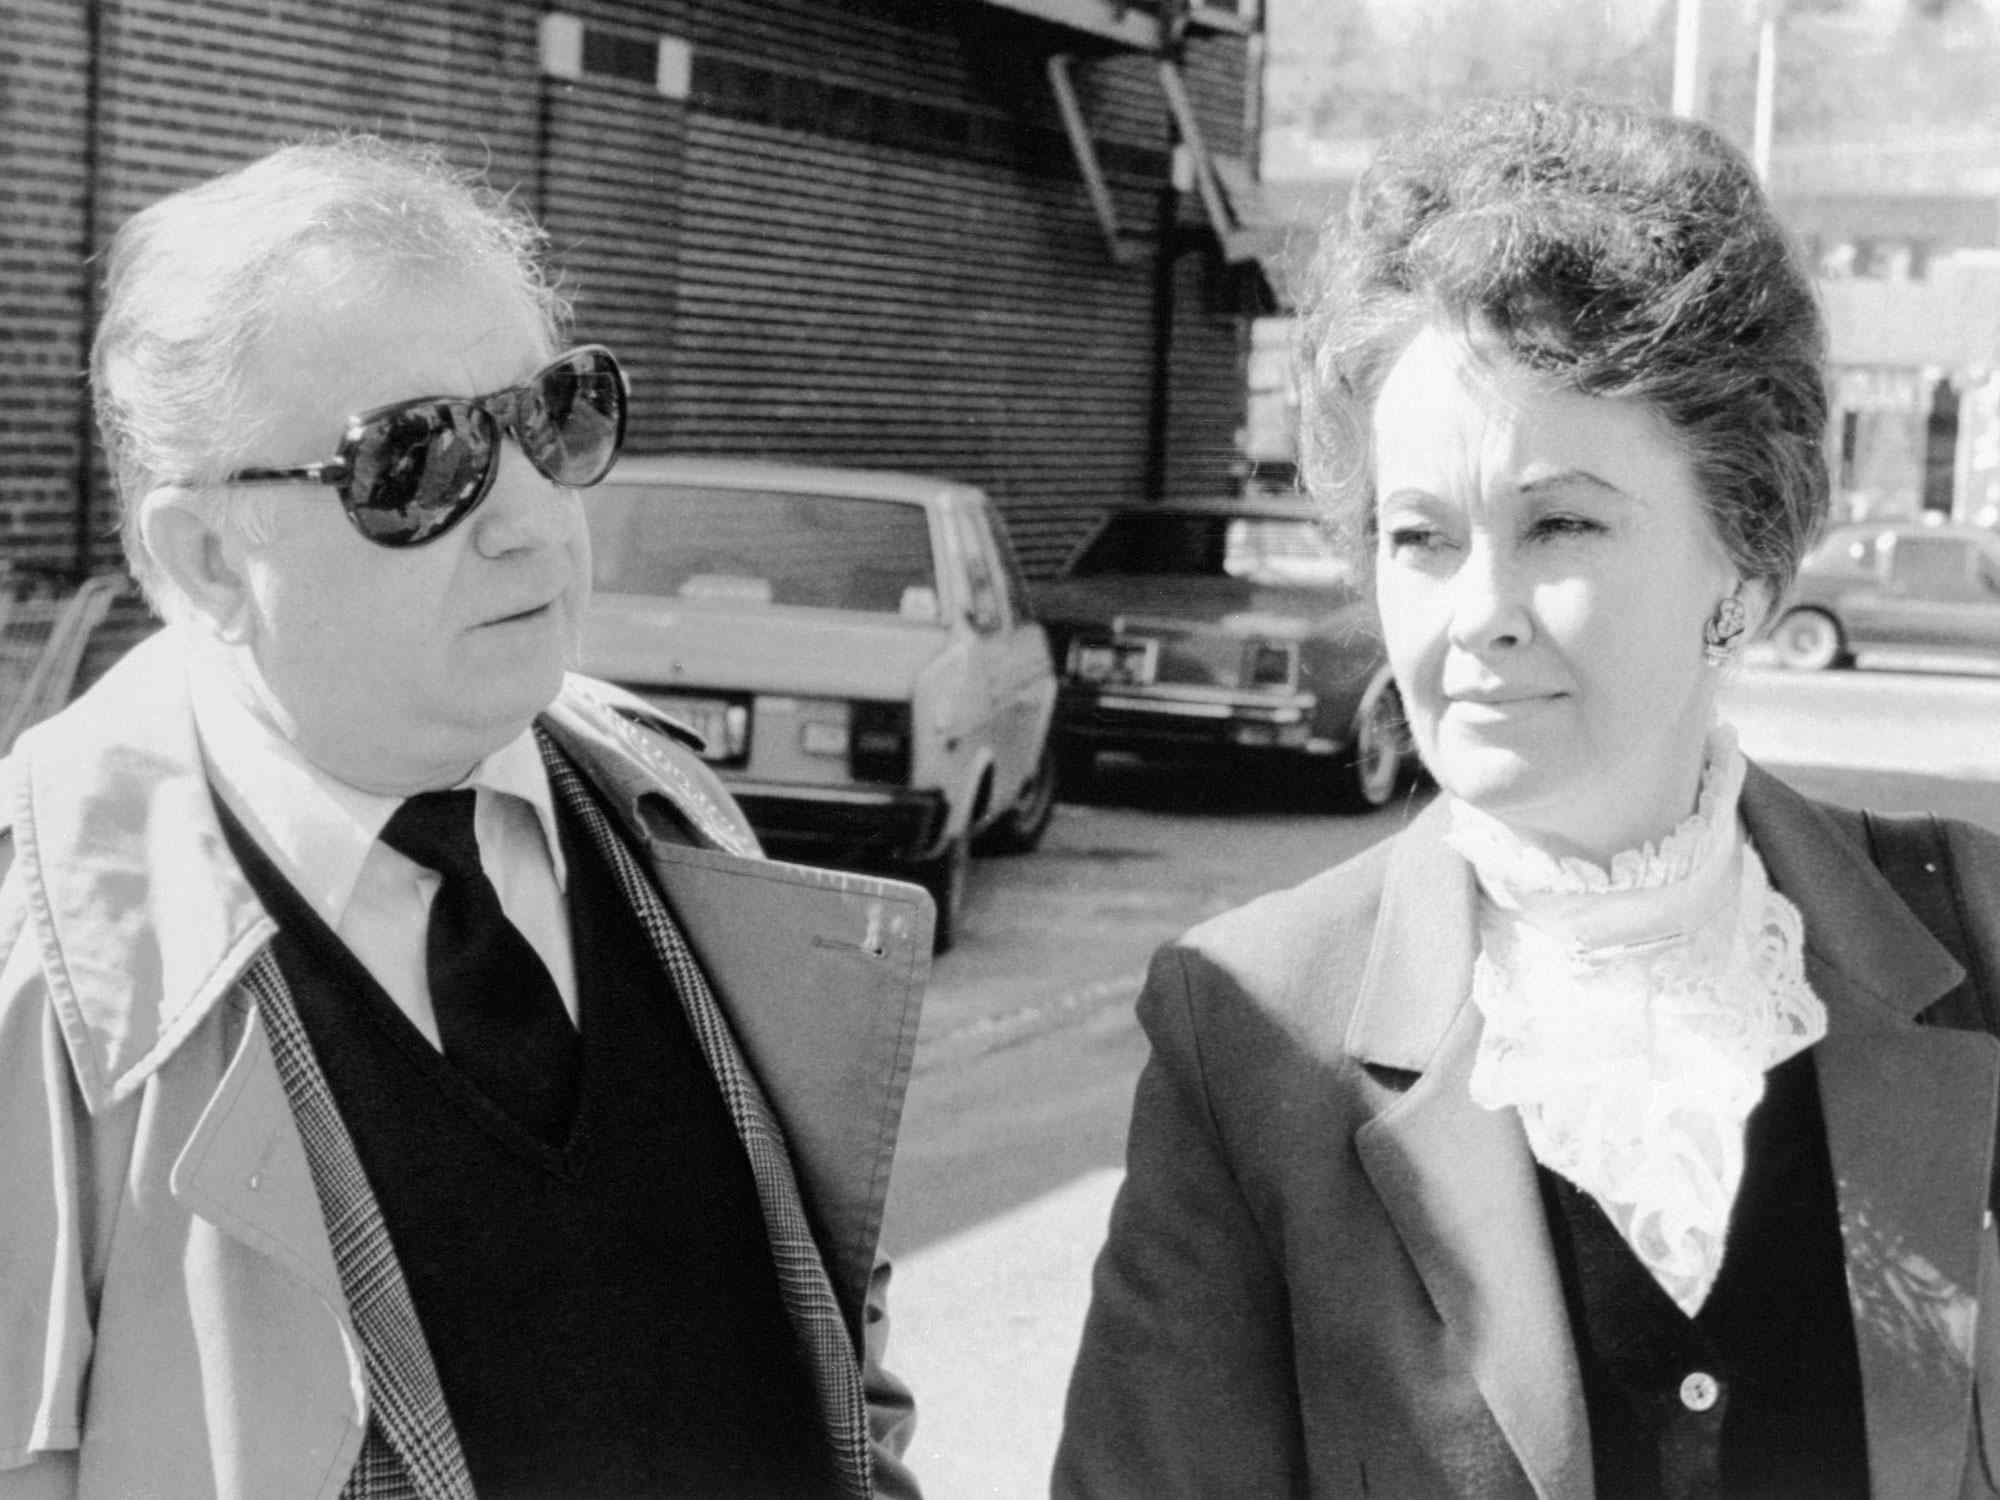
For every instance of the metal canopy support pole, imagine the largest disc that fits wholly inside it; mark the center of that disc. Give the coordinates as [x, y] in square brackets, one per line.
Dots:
[1213, 203]
[1166, 254]
[81, 559]
[1084, 149]
[1160, 398]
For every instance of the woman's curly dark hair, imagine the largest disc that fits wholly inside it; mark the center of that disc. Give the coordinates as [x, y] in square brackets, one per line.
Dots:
[1625, 253]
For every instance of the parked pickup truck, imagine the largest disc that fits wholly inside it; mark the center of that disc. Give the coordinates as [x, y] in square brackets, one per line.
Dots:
[855, 650]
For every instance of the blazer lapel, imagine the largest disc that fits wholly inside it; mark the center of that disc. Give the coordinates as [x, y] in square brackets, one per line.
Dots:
[1910, 1116]
[1458, 1181]
[1912, 1184]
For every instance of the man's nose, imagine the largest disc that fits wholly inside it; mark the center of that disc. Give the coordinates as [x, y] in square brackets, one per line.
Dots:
[525, 509]
[1488, 604]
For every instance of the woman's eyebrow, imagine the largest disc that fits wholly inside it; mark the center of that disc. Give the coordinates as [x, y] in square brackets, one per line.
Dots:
[1563, 479]
[1407, 494]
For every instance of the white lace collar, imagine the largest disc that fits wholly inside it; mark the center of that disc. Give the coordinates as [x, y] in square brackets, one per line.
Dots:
[1632, 1012]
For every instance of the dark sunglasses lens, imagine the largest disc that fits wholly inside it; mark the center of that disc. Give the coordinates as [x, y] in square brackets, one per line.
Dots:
[418, 469]
[571, 418]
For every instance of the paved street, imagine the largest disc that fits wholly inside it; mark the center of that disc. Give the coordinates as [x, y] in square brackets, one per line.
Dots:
[1014, 1135]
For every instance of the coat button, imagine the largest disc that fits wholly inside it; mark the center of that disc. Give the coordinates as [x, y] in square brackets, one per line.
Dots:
[1699, 1391]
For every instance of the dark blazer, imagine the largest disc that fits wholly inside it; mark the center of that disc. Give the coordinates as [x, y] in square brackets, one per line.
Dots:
[1328, 1271]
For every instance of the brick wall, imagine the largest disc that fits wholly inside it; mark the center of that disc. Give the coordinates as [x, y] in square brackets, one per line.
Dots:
[42, 141]
[186, 90]
[998, 296]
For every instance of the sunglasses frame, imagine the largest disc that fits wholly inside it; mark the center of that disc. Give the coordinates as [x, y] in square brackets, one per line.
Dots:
[501, 407]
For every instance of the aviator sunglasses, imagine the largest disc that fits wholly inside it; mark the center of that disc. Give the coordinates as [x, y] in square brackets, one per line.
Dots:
[409, 472]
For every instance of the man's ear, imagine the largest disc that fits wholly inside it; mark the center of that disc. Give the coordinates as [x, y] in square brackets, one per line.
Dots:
[201, 558]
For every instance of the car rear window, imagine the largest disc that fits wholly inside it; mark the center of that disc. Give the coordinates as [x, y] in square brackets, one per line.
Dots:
[1936, 566]
[1845, 551]
[763, 547]
[1274, 550]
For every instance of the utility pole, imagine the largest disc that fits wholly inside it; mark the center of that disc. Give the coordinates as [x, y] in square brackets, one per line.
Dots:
[1690, 60]
[1767, 90]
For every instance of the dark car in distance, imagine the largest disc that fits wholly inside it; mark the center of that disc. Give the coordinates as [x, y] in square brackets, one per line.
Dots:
[1913, 586]
[1230, 630]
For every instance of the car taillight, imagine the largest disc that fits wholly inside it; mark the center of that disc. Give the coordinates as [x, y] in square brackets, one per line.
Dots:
[735, 731]
[1271, 665]
[878, 747]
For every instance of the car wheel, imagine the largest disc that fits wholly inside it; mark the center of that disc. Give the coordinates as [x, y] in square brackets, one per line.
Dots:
[1808, 640]
[1019, 829]
[944, 876]
[1380, 751]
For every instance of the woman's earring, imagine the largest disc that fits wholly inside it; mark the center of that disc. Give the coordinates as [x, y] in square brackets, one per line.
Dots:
[1724, 630]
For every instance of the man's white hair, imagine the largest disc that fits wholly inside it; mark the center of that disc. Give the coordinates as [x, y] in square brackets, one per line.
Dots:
[193, 282]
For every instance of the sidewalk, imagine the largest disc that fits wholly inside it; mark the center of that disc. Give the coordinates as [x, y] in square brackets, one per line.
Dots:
[985, 1328]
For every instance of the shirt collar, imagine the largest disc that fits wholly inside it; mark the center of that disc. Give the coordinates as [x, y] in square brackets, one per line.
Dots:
[318, 828]
[1668, 887]
[516, 769]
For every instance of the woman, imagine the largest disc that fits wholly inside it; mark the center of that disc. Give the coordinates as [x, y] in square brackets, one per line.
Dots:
[1580, 1139]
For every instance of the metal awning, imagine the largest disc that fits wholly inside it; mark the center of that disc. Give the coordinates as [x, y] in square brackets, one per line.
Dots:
[1129, 25]
[1135, 23]
[1228, 191]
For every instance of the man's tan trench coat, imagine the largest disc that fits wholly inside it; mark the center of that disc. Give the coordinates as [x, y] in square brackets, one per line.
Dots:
[1328, 1271]
[172, 1319]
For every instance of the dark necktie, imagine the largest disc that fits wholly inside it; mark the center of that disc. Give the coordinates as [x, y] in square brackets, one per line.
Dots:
[499, 1014]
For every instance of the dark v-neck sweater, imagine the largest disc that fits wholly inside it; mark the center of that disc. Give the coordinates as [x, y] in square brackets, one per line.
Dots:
[1758, 1394]
[605, 1316]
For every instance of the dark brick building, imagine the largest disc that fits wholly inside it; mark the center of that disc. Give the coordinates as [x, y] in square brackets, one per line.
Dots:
[883, 232]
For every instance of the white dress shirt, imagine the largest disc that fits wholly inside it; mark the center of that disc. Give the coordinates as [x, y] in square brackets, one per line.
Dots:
[325, 837]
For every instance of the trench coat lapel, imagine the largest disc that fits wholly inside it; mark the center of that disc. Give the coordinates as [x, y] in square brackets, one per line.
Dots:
[244, 1169]
[273, 1165]
[1458, 1181]
[1913, 1180]
[832, 1339]
[820, 975]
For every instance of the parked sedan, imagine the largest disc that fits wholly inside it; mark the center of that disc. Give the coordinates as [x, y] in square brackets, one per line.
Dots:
[1896, 585]
[1223, 630]
[855, 650]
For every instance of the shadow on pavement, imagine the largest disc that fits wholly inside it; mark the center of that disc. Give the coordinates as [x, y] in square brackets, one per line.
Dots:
[1223, 789]
[1029, 1118]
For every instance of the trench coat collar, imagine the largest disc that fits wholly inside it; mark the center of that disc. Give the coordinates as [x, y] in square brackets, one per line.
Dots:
[135, 905]
[1459, 1182]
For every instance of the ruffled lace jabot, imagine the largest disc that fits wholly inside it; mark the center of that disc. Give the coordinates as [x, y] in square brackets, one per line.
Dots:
[1632, 1012]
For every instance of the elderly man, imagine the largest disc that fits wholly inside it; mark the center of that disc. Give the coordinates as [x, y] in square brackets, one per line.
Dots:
[411, 1082]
